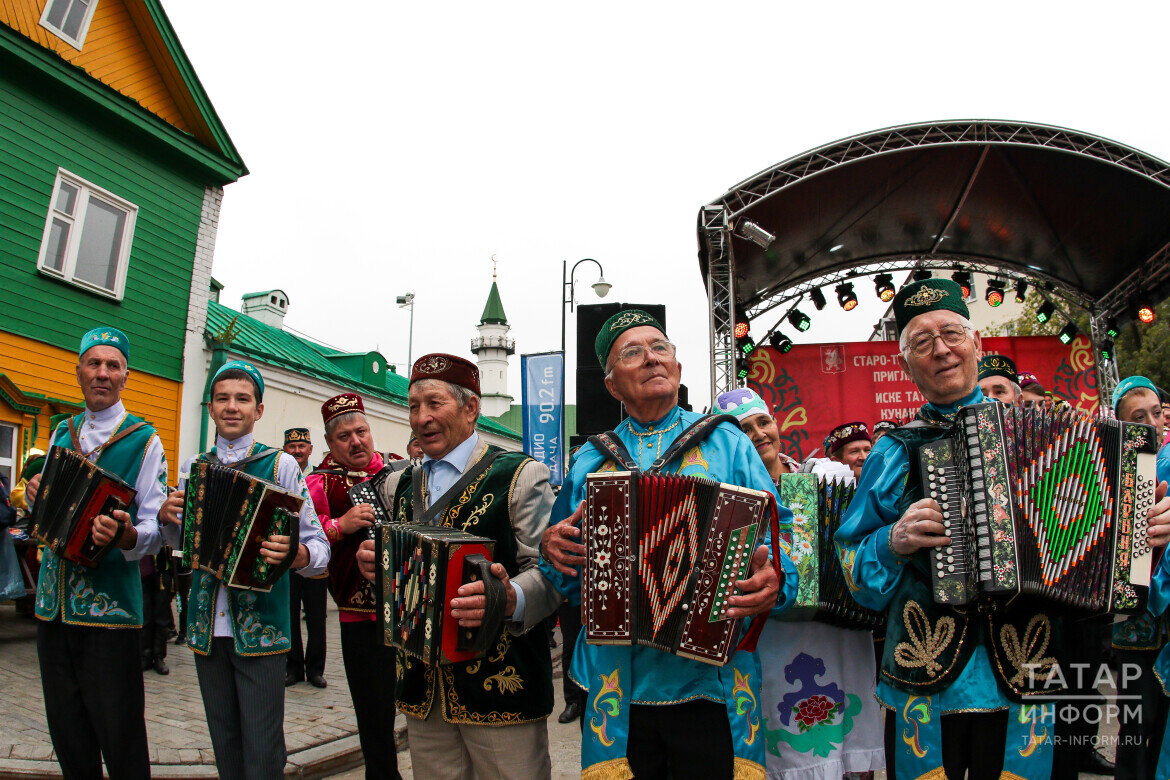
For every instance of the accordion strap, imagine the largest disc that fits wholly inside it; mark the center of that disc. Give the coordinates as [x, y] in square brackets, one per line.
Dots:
[431, 515]
[211, 457]
[752, 635]
[612, 446]
[76, 442]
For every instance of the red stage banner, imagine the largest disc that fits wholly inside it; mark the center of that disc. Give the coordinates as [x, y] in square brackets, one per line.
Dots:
[816, 387]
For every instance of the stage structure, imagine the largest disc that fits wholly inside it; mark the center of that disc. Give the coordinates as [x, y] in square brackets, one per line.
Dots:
[1081, 220]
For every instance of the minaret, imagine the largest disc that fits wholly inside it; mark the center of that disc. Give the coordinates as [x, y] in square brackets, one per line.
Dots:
[491, 350]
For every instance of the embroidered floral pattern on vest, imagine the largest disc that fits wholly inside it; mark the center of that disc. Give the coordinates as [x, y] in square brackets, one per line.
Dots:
[251, 632]
[926, 641]
[1027, 657]
[47, 587]
[608, 704]
[85, 600]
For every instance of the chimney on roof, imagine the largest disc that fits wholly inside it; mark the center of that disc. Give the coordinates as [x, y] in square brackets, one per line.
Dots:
[268, 307]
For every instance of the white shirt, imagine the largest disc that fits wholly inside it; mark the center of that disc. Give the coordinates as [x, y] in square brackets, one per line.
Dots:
[289, 477]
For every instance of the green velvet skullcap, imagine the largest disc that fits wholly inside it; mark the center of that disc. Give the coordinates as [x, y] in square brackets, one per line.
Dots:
[105, 336]
[619, 324]
[249, 369]
[998, 365]
[926, 296]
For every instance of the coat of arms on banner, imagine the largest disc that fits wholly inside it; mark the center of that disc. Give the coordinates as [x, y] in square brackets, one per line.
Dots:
[833, 358]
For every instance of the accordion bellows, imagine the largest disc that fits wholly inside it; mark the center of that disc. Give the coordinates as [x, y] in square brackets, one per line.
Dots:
[227, 515]
[822, 592]
[1047, 504]
[662, 555]
[420, 570]
[73, 493]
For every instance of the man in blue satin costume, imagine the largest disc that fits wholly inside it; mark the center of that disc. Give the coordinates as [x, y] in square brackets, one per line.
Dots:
[955, 684]
[650, 714]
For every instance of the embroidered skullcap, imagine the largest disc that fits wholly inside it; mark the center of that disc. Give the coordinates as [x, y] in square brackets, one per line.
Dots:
[997, 365]
[1129, 384]
[741, 403]
[105, 336]
[884, 425]
[249, 369]
[1026, 379]
[448, 368]
[341, 404]
[619, 324]
[844, 434]
[925, 296]
[297, 434]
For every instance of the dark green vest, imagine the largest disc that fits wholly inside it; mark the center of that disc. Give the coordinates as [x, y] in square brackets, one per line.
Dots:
[513, 682]
[111, 594]
[928, 645]
[260, 621]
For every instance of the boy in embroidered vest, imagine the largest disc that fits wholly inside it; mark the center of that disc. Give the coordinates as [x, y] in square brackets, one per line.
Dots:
[955, 683]
[88, 653]
[486, 718]
[240, 636]
[650, 714]
[369, 663]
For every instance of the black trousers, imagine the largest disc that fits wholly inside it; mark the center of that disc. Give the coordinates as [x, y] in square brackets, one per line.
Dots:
[306, 659]
[570, 618]
[972, 742]
[156, 618]
[690, 741]
[1139, 737]
[369, 671]
[92, 681]
[1076, 726]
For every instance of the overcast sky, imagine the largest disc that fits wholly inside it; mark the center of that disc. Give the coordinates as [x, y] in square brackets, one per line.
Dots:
[395, 147]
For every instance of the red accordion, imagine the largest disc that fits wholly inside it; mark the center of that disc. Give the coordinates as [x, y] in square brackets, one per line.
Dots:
[663, 554]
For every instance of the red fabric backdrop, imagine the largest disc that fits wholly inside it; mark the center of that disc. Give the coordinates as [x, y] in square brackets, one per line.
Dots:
[816, 387]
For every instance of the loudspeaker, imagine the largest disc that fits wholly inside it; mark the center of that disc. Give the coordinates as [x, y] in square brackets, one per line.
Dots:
[597, 410]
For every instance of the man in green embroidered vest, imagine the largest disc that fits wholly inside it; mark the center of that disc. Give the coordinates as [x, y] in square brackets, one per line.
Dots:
[239, 636]
[86, 644]
[652, 714]
[485, 718]
[955, 683]
[997, 379]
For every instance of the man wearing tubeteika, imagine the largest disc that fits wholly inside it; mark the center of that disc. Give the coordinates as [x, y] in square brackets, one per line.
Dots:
[369, 663]
[997, 379]
[649, 713]
[954, 681]
[86, 642]
[240, 635]
[481, 718]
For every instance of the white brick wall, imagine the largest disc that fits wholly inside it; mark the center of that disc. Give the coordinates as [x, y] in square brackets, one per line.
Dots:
[195, 358]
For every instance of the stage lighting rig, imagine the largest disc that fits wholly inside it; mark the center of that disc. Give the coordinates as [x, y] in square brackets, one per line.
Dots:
[1144, 310]
[742, 328]
[922, 274]
[994, 294]
[1045, 312]
[963, 279]
[799, 320]
[1107, 350]
[884, 287]
[1068, 333]
[1112, 329]
[818, 298]
[846, 297]
[780, 342]
[1021, 290]
[746, 346]
[756, 234]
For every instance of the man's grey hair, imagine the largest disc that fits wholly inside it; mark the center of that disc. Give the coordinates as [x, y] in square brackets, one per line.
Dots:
[462, 394]
[342, 418]
[905, 337]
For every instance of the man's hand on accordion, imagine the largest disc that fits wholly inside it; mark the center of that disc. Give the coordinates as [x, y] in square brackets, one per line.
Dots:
[559, 545]
[758, 592]
[172, 509]
[357, 518]
[469, 606]
[31, 488]
[105, 528]
[1159, 515]
[365, 559]
[921, 526]
[275, 548]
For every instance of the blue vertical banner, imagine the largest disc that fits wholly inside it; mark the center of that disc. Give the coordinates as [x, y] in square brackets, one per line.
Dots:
[544, 410]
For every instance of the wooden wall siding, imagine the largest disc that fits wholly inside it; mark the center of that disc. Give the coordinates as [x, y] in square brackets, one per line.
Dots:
[39, 368]
[41, 136]
[114, 52]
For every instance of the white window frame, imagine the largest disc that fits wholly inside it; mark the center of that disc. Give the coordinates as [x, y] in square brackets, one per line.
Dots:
[85, 192]
[9, 458]
[81, 32]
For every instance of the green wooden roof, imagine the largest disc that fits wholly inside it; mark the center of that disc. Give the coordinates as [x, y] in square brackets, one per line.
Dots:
[278, 347]
[493, 311]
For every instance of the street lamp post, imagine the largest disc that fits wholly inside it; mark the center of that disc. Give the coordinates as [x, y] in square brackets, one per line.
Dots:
[601, 287]
[407, 302]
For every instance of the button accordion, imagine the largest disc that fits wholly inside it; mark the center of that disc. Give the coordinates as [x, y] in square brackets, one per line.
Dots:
[663, 554]
[227, 514]
[420, 569]
[1047, 503]
[73, 493]
[823, 593]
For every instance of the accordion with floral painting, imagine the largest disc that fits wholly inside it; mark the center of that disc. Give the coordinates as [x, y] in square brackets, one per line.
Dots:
[1049, 504]
[662, 556]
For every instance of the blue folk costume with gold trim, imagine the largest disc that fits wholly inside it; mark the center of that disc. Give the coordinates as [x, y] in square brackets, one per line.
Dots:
[925, 640]
[617, 676]
[1159, 600]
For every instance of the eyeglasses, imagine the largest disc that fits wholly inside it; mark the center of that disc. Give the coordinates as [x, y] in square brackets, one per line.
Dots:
[922, 345]
[634, 354]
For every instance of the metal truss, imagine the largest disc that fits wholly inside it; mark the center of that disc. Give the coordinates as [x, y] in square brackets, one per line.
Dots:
[894, 139]
[716, 235]
[1152, 274]
[1107, 377]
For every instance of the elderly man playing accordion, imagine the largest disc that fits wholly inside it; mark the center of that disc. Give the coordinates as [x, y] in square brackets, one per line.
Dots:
[651, 714]
[950, 680]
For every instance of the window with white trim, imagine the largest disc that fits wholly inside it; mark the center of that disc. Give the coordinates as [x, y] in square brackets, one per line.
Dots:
[7, 451]
[87, 236]
[69, 19]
